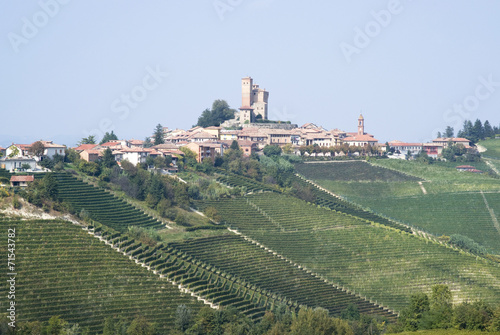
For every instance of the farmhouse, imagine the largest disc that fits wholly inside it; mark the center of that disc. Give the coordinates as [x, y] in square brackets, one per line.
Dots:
[17, 163]
[21, 181]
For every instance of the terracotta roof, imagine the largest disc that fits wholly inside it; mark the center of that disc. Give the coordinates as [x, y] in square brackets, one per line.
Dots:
[405, 144]
[203, 134]
[132, 150]
[82, 147]
[465, 167]
[22, 178]
[453, 139]
[140, 142]
[50, 144]
[164, 146]
[23, 146]
[360, 138]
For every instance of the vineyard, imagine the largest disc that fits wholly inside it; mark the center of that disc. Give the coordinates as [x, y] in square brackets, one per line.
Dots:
[453, 202]
[326, 199]
[233, 254]
[251, 185]
[351, 171]
[447, 214]
[384, 265]
[102, 206]
[62, 270]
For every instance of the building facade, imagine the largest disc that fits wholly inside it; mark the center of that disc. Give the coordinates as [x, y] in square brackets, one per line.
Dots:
[253, 101]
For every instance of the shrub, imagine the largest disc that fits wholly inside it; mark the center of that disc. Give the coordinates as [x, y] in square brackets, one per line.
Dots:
[16, 203]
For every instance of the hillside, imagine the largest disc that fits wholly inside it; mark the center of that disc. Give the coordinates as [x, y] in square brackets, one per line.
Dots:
[62, 270]
[446, 202]
[236, 285]
[383, 264]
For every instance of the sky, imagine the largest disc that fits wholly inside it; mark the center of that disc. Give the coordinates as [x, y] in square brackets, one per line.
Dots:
[71, 69]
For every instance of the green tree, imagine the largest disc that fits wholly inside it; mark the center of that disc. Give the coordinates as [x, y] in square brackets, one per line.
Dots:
[475, 316]
[412, 316]
[488, 130]
[108, 160]
[88, 140]
[317, 322]
[183, 317]
[234, 145]
[140, 326]
[109, 137]
[449, 132]
[37, 149]
[158, 135]
[89, 168]
[219, 113]
[147, 143]
[441, 313]
[272, 150]
[49, 186]
[351, 312]
[55, 326]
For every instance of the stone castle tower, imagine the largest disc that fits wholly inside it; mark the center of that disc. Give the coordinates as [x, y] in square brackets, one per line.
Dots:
[253, 101]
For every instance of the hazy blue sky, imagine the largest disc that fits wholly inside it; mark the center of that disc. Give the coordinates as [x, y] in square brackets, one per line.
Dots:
[412, 67]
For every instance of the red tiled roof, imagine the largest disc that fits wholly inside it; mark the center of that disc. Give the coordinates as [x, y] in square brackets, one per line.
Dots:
[22, 178]
[360, 138]
[82, 147]
[110, 143]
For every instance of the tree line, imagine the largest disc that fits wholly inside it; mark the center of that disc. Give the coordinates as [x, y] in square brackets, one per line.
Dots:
[474, 132]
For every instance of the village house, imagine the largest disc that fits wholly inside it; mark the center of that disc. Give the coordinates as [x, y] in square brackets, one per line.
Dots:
[205, 150]
[402, 149]
[3, 152]
[18, 150]
[17, 163]
[444, 141]
[51, 149]
[133, 155]
[21, 181]
[91, 155]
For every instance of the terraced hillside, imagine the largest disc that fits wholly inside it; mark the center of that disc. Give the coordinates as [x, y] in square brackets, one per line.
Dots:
[233, 254]
[351, 171]
[326, 199]
[448, 201]
[251, 185]
[447, 214]
[384, 265]
[103, 206]
[62, 270]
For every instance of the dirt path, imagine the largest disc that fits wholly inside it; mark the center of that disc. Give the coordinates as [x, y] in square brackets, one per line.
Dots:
[424, 191]
[492, 213]
[493, 167]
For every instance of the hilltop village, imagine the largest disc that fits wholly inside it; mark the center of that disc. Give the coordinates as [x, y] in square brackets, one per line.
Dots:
[229, 226]
[250, 128]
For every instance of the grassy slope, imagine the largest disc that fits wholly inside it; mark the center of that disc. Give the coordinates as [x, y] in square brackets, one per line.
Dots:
[492, 148]
[453, 203]
[62, 270]
[382, 264]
